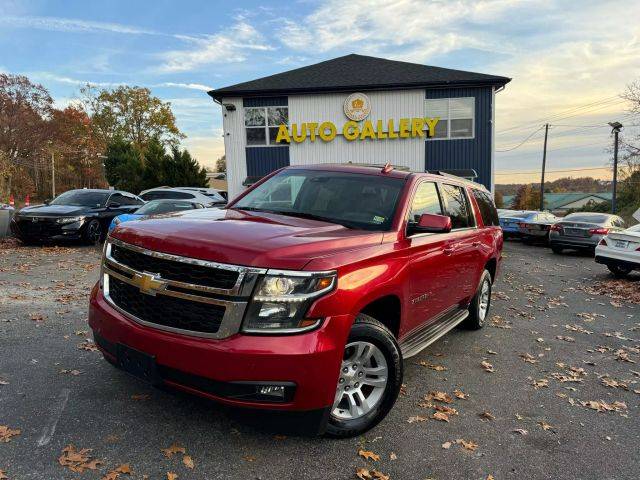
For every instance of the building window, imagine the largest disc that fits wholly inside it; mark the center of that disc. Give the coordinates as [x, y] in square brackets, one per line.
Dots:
[457, 116]
[261, 124]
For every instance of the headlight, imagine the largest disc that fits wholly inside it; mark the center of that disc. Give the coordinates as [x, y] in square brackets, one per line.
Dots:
[69, 219]
[282, 299]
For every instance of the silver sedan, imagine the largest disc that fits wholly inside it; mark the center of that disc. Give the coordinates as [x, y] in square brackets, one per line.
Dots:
[583, 231]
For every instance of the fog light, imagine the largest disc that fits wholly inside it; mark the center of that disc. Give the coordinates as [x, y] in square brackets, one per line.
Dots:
[273, 391]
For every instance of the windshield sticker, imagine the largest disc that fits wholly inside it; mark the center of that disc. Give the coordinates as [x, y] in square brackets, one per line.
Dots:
[378, 219]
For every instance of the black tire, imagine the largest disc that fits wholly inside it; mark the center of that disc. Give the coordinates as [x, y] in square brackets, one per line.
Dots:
[476, 320]
[619, 271]
[92, 232]
[368, 329]
[557, 249]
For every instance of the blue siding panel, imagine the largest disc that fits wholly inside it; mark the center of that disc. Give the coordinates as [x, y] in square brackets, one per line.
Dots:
[265, 102]
[464, 153]
[263, 160]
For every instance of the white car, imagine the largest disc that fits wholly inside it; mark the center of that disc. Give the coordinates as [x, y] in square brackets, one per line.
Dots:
[620, 251]
[169, 193]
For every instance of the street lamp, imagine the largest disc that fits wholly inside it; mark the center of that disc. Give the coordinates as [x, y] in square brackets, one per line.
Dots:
[615, 129]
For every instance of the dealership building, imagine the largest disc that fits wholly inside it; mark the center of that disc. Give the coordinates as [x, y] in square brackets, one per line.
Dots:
[361, 109]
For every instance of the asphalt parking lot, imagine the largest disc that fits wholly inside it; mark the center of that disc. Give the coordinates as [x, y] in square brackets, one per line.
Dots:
[551, 390]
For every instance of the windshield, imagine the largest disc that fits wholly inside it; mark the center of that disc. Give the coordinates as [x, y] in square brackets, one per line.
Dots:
[156, 207]
[354, 200]
[81, 198]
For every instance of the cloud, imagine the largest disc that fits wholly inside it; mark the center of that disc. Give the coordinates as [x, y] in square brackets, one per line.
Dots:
[59, 24]
[231, 46]
[190, 86]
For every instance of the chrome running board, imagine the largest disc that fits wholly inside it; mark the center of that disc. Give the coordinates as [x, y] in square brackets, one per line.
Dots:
[416, 342]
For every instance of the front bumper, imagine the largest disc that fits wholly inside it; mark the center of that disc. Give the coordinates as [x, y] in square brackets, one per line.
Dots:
[308, 362]
[42, 230]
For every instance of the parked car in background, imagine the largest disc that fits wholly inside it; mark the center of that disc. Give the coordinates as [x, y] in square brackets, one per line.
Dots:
[583, 230]
[509, 220]
[620, 251]
[155, 207]
[169, 193]
[219, 195]
[536, 226]
[74, 215]
[305, 294]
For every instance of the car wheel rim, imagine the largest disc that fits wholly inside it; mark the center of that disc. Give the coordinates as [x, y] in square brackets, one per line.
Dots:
[483, 304]
[94, 231]
[362, 382]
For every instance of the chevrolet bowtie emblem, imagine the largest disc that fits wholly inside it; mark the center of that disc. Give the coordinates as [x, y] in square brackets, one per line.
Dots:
[148, 283]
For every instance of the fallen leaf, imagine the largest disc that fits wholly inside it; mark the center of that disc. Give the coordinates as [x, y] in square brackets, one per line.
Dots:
[521, 431]
[173, 449]
[437, 368]
[545, 426]
[467, 445]
[78, 460]
[528, 358]
[490, 477]
[172, 476]
[88, 345]
[445, 409]
[363, 474]
[140, 397]
[393, 456]
[487, 366]
[6, 433]
[542, 383]
[443, 417]
[249, 458]
[439, 397]
[446, 445]
[367, 455]
[416, 418]
[379, 475]
[486, 416]
[188, 462]
[460, 394]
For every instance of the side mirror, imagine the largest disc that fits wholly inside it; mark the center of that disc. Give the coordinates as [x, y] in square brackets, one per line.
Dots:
[431, 223]
[113, 205]
[47, 201]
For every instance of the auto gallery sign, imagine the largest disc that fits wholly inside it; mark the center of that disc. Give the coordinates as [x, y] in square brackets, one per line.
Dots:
[357, 108]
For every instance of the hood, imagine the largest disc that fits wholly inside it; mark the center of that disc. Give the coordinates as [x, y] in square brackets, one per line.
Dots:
[244, 238]
[54, 210]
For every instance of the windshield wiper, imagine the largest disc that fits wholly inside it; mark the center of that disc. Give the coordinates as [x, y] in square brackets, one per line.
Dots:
[311, 216]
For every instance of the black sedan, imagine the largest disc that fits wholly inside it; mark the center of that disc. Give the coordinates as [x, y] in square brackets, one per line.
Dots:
[74, 215]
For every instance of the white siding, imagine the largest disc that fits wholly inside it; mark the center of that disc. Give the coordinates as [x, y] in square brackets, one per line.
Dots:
[409, 152]
[234, 146]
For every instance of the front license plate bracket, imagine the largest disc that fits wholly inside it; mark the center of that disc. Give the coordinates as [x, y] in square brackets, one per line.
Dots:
[139, 364]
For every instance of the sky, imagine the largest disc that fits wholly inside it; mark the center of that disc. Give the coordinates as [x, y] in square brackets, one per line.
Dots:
[569, 60]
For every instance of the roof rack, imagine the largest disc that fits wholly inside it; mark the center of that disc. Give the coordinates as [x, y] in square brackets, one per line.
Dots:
[402, 168]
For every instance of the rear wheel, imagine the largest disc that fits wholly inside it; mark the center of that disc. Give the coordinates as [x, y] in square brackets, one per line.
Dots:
[370, 379]
[619, 271]
[556, 249]
[479, 307]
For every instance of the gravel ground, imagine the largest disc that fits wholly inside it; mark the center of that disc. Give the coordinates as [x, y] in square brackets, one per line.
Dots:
[551, 345]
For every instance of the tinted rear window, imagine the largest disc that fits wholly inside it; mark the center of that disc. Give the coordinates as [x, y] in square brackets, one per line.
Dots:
[457, 206]
[166, 194]
[488, 210]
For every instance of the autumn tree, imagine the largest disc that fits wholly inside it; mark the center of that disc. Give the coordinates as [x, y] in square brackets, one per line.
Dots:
[527, 198]
[131, 114]
[498, 199]
[221, 164]
[630, 144]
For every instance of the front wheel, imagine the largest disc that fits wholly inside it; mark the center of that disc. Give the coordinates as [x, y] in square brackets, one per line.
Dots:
[92, 232]
[479, 307]
[370, 379]
[619, 271]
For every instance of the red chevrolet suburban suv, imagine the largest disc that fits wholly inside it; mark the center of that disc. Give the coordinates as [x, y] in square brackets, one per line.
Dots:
[305, 294]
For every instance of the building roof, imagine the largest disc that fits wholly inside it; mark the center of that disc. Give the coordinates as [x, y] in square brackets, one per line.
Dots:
[554, 201]
[357, 72]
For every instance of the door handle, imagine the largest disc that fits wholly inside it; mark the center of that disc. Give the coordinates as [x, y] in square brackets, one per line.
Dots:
[449, 250]
[476, 244]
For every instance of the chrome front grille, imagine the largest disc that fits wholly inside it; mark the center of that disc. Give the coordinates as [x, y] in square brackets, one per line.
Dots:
[174, 293]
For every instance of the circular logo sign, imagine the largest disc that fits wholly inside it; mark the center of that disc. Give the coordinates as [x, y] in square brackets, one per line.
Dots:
[357, 106]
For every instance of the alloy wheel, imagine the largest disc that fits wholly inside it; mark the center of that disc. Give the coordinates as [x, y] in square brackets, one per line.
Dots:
[483, 303]
[94, 231]
[362, 382]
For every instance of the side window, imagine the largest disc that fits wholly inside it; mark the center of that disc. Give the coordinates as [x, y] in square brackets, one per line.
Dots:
[457, 206]
[117, 198]
[488, 210]
[426, 200]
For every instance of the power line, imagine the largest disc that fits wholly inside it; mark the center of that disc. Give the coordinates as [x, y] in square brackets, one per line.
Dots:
[522, 142]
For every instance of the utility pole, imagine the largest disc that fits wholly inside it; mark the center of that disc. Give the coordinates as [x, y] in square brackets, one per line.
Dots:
[615, 129]
[544, 164]
[53, 177]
